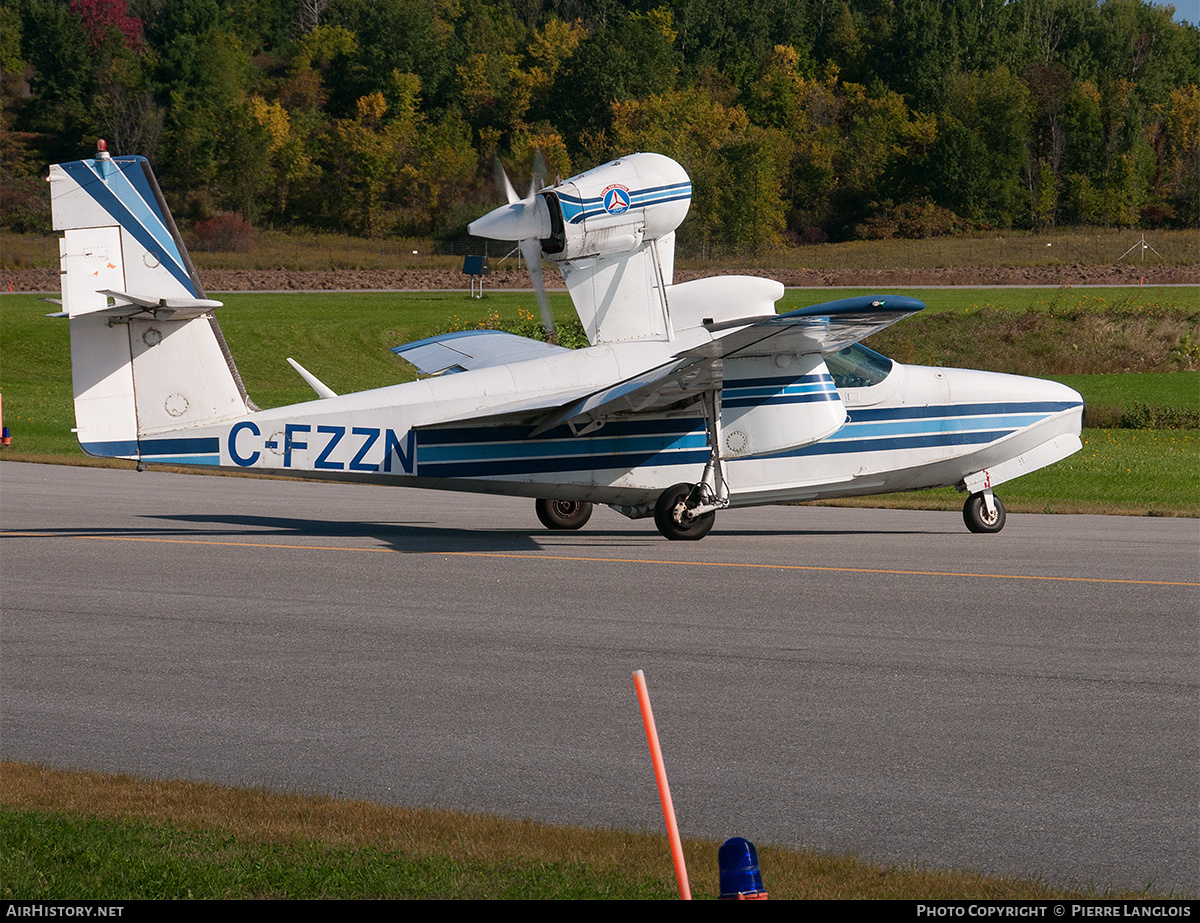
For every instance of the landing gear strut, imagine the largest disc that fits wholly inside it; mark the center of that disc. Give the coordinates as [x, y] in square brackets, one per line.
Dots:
[563, 514]
[686, 512]
[983, 512]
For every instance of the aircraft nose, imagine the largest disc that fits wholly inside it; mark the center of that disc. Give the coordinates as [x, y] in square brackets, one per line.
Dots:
[1057, 391]
[966, 385]
[1015, 399]
[1054, 392]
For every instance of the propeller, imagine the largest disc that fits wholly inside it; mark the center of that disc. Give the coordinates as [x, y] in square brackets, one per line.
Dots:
[526, 221]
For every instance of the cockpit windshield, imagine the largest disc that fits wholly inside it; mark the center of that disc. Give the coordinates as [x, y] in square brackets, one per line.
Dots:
[857, 367]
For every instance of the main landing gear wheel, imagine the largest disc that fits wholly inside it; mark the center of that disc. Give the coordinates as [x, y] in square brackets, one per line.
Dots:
[675, 521]
[975, 514]
[563, 514]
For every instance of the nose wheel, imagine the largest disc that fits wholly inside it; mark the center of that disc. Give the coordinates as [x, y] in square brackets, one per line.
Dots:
[983, 513]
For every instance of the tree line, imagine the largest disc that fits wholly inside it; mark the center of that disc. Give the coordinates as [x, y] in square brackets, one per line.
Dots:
[807, 120]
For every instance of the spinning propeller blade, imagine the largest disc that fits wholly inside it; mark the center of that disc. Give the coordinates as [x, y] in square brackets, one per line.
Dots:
[538, 180]
[502, 182]
[526, 221]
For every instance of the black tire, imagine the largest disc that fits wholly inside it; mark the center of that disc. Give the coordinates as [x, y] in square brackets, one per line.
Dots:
[563, 514]
[666, 512]
[975, 515]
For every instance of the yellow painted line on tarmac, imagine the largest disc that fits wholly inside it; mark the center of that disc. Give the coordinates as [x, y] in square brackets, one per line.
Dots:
[820, 567]
[517, 555]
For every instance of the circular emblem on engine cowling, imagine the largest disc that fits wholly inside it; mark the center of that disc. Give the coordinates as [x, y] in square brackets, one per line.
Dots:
[616, 199]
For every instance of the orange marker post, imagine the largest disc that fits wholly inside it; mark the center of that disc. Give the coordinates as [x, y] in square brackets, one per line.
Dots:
[664, 790]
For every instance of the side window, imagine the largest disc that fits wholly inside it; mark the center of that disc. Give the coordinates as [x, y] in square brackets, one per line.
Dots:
[857, 367]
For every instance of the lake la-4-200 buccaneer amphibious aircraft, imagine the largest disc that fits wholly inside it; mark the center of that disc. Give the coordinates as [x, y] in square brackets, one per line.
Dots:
[692, 397]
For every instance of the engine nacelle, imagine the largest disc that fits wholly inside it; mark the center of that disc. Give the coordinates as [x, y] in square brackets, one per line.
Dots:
[616, 207]
[612, 232]
[612, 209]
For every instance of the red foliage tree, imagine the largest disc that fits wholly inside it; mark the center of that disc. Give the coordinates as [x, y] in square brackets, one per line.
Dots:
[99, 16]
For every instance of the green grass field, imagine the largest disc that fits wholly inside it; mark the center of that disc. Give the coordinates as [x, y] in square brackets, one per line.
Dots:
[344, 339]
[1173, 388]
[82, 835]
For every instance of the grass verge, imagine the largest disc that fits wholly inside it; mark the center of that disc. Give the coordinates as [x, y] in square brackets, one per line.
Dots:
[85, 835]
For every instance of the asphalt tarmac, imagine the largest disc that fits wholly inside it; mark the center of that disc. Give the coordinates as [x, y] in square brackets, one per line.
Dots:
[872, 681]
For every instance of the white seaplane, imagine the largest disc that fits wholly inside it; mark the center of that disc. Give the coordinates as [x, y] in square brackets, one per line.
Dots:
[692, 397]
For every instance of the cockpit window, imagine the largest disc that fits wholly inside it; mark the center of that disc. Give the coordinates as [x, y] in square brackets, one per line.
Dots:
[857, 367]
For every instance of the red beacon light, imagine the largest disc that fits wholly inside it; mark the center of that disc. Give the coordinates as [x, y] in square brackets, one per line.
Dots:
[104, 162]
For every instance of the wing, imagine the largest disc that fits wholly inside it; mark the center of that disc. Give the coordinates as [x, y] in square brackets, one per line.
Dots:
[817, 330]
[821, 328]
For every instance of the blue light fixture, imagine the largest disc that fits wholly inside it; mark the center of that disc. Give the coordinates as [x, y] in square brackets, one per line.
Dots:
[740, 878]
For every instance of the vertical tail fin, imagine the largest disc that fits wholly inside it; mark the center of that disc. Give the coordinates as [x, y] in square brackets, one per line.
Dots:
[147, 356]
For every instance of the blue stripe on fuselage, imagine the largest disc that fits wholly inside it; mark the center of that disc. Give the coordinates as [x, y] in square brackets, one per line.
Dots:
[508, 450]
[856, 430]
[443, 435]
[580, 445]
[621, 462]
[924, 441]
[778, 399]
[960, 410]
[499, 451]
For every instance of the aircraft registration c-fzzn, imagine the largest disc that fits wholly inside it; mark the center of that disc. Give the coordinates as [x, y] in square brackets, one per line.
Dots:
[692, 397]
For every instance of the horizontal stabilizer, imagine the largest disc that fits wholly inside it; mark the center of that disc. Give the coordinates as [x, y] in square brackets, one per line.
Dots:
[172, 307]
[467, 350]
